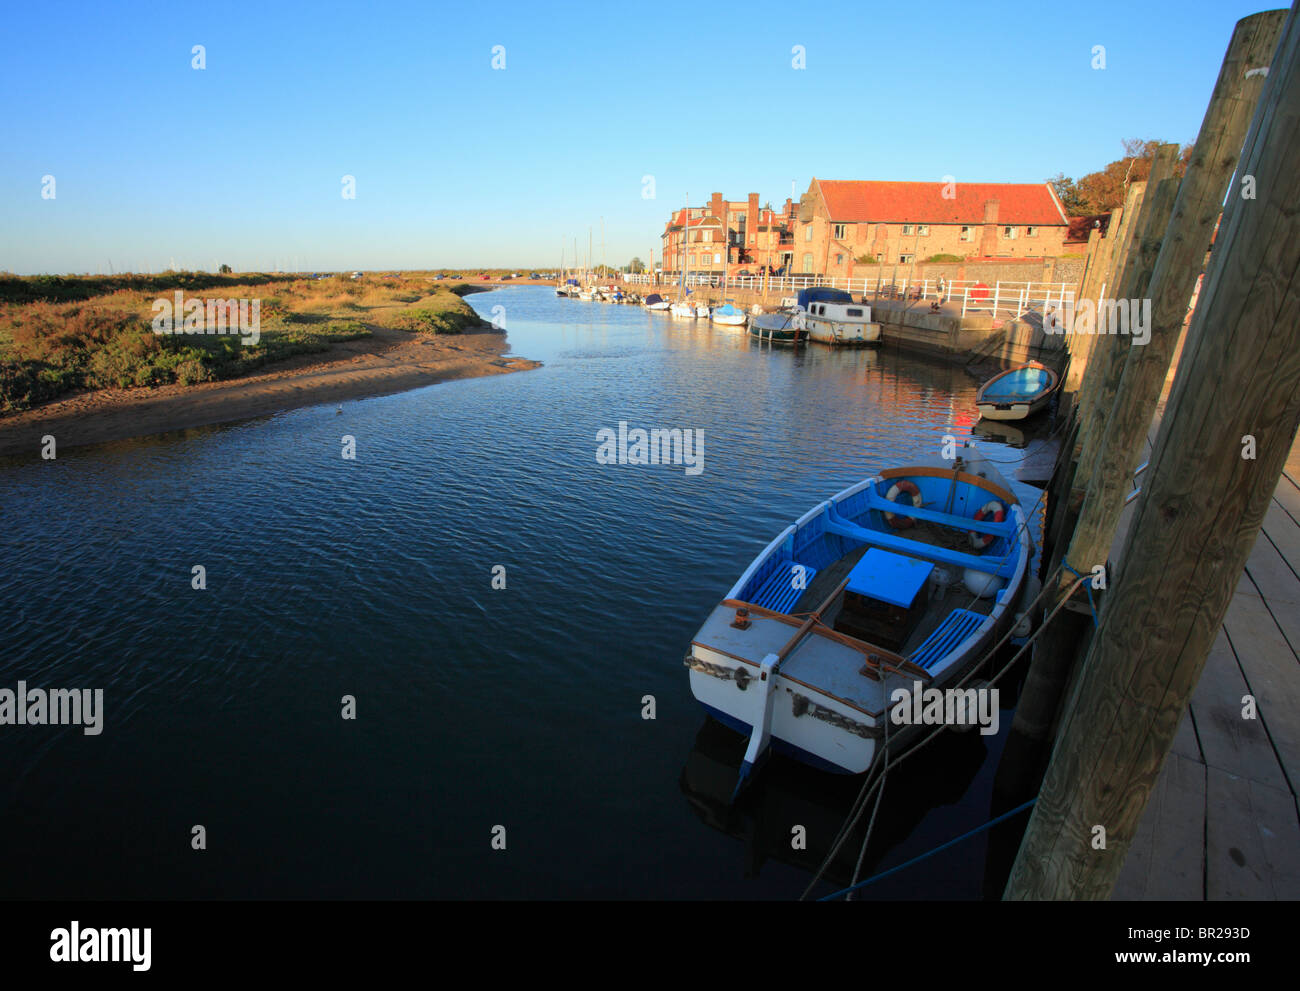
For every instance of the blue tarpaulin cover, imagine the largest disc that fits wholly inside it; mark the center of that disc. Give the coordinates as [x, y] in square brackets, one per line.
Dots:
[823, 295]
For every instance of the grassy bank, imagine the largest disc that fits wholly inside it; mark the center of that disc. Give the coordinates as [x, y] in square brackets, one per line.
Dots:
[64, 333]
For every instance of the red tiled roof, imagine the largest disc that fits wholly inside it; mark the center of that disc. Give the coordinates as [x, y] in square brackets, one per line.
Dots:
[923, 202]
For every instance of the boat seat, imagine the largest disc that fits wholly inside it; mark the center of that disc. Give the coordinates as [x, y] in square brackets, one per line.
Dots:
[956, 627]
[778, 593]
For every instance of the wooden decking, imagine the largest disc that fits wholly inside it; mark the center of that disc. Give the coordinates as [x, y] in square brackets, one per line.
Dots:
[1223, 822]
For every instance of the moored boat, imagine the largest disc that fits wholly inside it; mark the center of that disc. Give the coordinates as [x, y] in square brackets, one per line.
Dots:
[655, 302]
[861, 597]
[775, 328]
[728, 314]
[1017, 393]
[830, 316]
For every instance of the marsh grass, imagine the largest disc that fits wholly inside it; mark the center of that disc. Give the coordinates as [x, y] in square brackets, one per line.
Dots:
[63, 333]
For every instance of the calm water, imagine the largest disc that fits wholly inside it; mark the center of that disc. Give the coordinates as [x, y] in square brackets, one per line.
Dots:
[476, 707]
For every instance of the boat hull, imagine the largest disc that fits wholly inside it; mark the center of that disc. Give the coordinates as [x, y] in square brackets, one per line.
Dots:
[1017, 393]
[840, 333]
[1012, 411]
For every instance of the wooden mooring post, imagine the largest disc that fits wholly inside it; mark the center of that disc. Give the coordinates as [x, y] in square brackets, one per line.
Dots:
[1223, 441]
[1182, 247]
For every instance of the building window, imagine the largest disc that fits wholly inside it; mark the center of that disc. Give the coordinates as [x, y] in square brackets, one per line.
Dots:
[880, 257]
[840, 231]
[839, 259]
[717, 259]
[907, 229]
[708, 235]
[1031, 232]
[923, 229]
[904, 259]
[807, 262]
[966, 234]
[807, 233]
[1009, 233]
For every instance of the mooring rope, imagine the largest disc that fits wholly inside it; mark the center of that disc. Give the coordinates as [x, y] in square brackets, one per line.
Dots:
[848, 892]
[869, 786]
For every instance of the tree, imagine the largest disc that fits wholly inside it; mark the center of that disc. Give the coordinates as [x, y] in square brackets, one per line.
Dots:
[1103, 191]
[225, 269]
[1067, 193]
[636, 266]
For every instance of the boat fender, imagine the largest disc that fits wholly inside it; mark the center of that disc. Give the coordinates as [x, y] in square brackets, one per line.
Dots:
[895, 520]
[990, 510]
[981, 584]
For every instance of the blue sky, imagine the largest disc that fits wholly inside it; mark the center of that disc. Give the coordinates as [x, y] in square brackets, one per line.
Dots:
[458, 164]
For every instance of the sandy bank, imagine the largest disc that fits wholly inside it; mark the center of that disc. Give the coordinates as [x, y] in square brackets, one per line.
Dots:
[387, 362]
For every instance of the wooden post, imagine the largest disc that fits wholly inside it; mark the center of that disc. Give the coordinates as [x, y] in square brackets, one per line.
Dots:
[1132, 276]
[1200, 195]
[1198, 518]
[1142, 373]
[1089, 288]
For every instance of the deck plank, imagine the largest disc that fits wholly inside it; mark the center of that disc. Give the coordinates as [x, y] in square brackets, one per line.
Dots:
[1228, 741]
[1272, 673]
[1166, 860]
[1252, 840]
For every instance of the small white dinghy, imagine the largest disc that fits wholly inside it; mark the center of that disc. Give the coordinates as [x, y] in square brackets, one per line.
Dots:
[905, 578]
[1017, 393]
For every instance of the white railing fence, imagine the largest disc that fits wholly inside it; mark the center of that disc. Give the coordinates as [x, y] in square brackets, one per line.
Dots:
[1016, 298]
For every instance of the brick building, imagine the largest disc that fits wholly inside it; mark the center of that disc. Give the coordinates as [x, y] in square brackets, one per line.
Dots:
[896, 223]
[728, 234]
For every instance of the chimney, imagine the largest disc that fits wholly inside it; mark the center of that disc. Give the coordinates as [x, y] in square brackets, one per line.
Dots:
[716, 209]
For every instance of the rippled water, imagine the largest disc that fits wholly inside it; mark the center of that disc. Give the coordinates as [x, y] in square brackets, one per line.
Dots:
[476, 707]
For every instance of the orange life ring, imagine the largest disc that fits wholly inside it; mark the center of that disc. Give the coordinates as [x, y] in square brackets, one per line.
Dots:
[897, 521]
[992, 509]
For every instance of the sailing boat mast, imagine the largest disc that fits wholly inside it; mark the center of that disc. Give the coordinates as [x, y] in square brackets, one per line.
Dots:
[686, 242]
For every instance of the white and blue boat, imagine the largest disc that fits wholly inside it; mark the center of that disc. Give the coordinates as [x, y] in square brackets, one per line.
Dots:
[1017, 393]
[908, 577]
[831, 316]
[728, 314]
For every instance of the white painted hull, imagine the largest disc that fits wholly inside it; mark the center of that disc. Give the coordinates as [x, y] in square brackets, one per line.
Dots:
[730, 319]
[1016, 411]
[838, 332]
[682, 310]
[657, 306]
